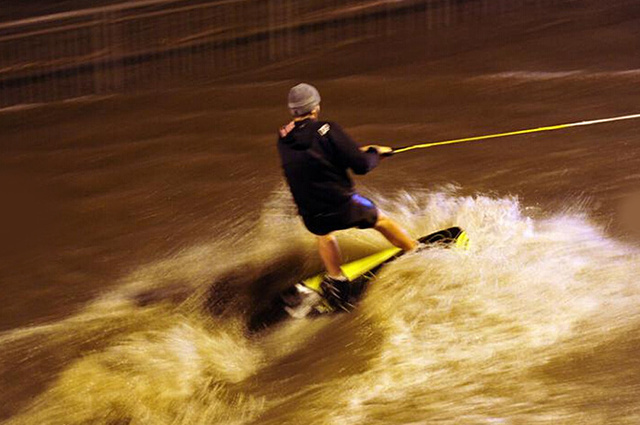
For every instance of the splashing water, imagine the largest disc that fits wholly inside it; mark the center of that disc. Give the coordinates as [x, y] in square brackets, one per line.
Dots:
[534, 324]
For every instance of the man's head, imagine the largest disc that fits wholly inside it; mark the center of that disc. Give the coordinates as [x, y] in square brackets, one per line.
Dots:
[303, 100]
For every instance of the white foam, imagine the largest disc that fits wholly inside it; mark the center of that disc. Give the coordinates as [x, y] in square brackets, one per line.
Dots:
[446, 335]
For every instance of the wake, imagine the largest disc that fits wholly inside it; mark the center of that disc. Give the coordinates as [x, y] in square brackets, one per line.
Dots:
[447, 335]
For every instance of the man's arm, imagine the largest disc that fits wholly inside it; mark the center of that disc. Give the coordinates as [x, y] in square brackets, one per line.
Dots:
[360, 162]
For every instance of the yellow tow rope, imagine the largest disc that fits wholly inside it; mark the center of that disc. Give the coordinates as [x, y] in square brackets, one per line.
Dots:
[514, 133]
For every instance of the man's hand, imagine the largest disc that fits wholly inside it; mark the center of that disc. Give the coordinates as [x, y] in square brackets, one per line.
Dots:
[381, 150]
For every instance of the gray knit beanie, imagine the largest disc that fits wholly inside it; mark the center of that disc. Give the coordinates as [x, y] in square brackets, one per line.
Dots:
[303, 98]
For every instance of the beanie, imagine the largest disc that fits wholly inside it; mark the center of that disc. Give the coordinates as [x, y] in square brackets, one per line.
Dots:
[303, 98]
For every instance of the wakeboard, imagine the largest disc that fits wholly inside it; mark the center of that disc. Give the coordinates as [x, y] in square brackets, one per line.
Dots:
[306, 298]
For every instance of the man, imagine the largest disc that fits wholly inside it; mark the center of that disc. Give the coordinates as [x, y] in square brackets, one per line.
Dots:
[316, 156]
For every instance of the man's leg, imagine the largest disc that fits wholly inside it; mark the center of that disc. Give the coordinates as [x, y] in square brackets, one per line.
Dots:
[394, 233]
[335, 286]
[330, 254]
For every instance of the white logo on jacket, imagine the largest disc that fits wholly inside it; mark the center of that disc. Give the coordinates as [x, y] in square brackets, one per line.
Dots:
[324, 129]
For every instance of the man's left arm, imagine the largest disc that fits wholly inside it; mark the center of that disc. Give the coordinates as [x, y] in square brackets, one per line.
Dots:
[361, 162]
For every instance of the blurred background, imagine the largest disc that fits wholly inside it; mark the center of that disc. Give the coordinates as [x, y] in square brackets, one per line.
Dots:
[144, 219]
[63, 50]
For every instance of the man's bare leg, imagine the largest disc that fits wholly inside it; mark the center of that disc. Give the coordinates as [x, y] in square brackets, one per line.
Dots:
[394, 233]
[330, 254]
[330, 250]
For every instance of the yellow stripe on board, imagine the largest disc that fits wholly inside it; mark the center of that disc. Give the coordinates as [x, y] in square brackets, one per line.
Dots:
[355, 268]
[363, 265]
[462, 241]
[514, 133]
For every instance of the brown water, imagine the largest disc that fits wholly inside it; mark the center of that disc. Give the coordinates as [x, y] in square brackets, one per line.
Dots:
[139, 233]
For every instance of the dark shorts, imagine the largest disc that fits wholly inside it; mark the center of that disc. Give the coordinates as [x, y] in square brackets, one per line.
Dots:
[358, 212]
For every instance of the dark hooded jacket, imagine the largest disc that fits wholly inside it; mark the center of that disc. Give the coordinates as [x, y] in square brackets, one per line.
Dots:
[315, 158]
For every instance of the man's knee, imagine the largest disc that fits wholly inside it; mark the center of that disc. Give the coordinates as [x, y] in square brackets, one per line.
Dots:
[382, 220]
[325, 239]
